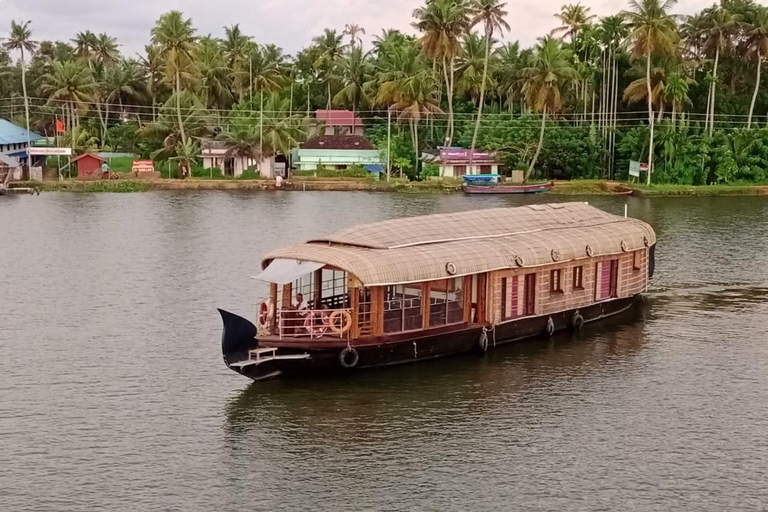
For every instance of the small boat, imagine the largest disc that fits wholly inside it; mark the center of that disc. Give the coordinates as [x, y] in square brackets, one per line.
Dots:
[417, 289]
[507, 189]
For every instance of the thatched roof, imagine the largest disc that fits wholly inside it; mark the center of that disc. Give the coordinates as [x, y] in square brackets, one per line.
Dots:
[420, 248]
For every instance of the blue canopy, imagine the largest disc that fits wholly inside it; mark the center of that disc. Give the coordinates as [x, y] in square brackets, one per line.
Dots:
[377, 168]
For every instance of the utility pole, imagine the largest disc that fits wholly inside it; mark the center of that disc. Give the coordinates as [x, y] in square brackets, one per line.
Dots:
[389, 143]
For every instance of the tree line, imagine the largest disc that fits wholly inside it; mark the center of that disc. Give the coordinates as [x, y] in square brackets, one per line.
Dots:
[683, 93]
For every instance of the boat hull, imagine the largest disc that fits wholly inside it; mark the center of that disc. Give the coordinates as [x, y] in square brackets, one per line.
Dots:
[508, 189]
[326, 357]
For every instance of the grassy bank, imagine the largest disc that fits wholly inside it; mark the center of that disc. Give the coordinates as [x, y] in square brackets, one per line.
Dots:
[563, 188]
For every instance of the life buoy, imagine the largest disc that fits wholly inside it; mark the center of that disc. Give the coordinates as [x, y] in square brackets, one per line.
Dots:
[265, 313]
[450, 267]
[340, 321]
[624, 246]
[519, 261]
[482, 342]
[349, 358]
[314, 327]
[555, 255]
[590, 251]
[577, 322]
[550, 329]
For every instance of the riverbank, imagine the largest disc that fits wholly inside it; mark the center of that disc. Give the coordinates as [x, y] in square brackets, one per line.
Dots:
[573, 188]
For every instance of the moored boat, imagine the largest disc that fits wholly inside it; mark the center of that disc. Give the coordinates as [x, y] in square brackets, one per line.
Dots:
[420, 288]
[495, 184]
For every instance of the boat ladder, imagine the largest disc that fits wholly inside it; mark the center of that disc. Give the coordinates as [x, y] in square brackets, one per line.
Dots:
[265, 355]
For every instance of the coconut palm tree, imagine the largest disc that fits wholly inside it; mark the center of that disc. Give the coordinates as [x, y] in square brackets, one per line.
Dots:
[20, 39]
[443, 23]
[175, 37]
[508, 70]
[353, 30]
[236, 47]
[152, 66]
[85, 43]
[573, 18]
[71, 84]
[549, 69]
[676, 93]
[756, 42]
[105, 50]
[214, 74]
[490, 14]
[470, 66]
[415, 100]
[122, 83]
[717, 32]
[355, 70]
[651, 31]
[331, 48]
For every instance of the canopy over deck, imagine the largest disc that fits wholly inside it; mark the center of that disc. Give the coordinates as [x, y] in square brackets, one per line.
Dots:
[427, 248]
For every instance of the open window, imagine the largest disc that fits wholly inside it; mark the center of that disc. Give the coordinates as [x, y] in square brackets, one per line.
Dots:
[446, 302]
[403, 308]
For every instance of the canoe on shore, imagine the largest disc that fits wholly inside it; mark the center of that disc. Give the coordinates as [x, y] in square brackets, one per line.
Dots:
[508, 189]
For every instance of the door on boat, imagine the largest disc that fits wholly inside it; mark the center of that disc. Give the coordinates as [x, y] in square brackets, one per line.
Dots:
[479, 284]
[530, 295]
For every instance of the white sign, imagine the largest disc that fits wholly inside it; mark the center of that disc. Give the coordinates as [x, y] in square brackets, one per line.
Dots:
[50, 151]
[634, 168]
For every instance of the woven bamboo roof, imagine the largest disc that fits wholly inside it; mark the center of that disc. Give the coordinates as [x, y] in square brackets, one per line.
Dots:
[421, 248]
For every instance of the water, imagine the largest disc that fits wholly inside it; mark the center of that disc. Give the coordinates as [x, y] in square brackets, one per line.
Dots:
[113, 394]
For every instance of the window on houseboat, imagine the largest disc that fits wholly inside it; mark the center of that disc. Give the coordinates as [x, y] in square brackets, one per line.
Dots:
[556, 281]
[446, 304]
[402, 308]
[608, 279]
[578, 278]
[334, 289]
[636, 256]
[510, 292]
[529, 298]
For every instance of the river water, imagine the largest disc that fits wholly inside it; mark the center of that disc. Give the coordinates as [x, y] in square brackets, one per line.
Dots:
[114, 396]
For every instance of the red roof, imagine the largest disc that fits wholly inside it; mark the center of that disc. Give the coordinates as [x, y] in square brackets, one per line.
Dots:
[338, 118]
[338, 142]
[92, 155]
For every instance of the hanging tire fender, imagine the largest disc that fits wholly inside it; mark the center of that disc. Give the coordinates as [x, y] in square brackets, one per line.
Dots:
[550, 328]
[349, 358]
[482, 342]
[577, 322]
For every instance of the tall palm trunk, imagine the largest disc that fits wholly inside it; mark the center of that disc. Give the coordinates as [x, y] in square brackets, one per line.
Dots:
[449, 89]
[261, 127]
[26, 103]
[178, 107]
[674, 114]
[757, 88]
[328, 105]
[650, 114]
[482, 87]
[541, 143]
[714, 90]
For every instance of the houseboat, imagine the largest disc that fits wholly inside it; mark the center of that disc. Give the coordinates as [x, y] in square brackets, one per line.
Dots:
[420, 288]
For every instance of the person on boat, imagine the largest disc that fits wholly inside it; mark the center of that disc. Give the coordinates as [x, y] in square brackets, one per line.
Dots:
[299, 304]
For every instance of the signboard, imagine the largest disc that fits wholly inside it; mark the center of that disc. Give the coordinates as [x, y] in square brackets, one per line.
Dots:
[143, 166]
[634, 168]
[465, 155]
[35, 151]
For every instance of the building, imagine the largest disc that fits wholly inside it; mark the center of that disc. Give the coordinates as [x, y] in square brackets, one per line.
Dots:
[13, 146]
[336, 152]
[219, 155]
[89, 166]
[457, 162]
[340, 122]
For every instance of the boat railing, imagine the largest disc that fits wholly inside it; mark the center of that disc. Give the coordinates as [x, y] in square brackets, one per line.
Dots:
[314, 323]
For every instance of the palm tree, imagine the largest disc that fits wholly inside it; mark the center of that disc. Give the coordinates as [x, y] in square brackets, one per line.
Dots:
[443, 23]
[122, 82]
[105, 50]
[549, 69]
[508, 69]
[573, 18]
[85, 43]
[676, 93]
[236, 48]
[21, 39]
[353, 30]
[652, 30]
[469, 69]
[719, 26]
[71, 84]
[355, 72]
[415, 99]
[331, 48]
[489, 13]
[175, 37]
[214, 74]
[756, 34]
[152, 66]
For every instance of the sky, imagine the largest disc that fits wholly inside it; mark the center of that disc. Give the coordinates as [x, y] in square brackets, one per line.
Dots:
[291, 24]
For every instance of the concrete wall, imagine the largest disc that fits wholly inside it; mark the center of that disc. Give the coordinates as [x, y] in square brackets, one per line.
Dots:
[309, 159]
[448, 171]
[631, 282]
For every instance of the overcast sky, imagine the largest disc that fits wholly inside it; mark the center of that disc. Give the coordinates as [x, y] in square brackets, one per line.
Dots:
[290, 24]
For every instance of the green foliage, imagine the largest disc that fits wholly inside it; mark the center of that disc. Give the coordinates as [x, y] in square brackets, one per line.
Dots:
[429, 170]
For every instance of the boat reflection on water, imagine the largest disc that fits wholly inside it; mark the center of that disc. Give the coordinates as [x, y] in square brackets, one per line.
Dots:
[362, 408]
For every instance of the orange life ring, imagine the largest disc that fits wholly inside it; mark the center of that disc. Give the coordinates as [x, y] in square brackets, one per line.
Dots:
[340, 321]
[263, 313]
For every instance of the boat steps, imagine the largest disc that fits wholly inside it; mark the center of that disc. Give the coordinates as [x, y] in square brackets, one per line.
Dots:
[261, 360]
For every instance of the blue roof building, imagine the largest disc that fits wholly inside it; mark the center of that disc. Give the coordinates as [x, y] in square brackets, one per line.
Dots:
[13, 143]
